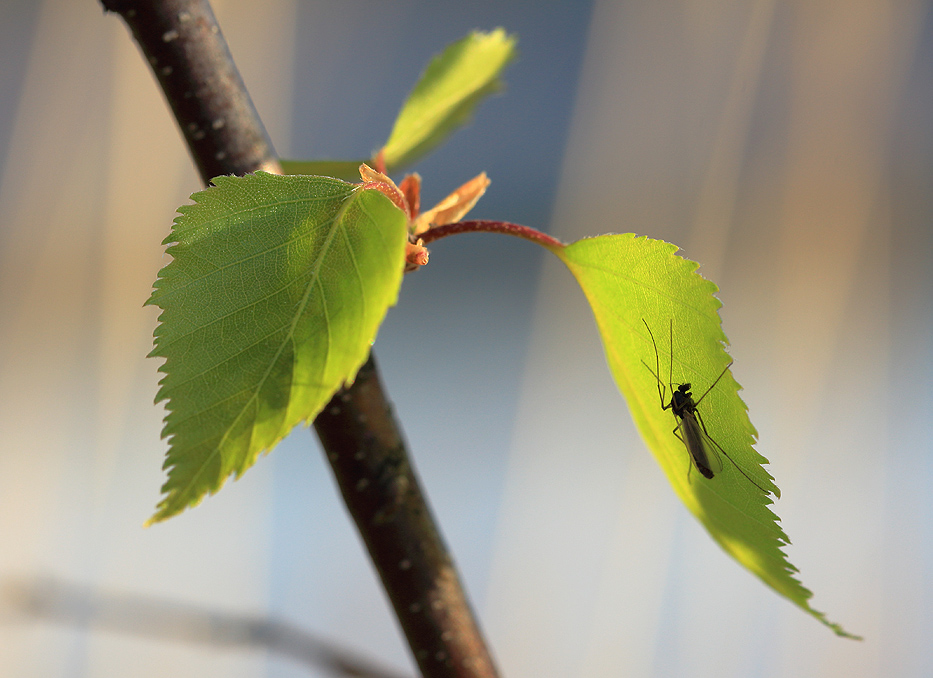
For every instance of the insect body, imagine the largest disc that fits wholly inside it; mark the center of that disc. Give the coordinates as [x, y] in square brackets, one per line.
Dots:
[690, 429]
[685, 411]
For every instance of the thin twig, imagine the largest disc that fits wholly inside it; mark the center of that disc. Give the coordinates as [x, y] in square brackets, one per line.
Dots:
[150, 617]
[490, 226]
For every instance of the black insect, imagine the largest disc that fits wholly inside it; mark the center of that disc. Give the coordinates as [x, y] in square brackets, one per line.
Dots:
[690, 429]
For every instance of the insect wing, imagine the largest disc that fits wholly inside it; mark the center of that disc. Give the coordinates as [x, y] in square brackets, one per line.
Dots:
[701, 449]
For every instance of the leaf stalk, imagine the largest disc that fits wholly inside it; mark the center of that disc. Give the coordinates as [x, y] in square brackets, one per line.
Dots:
[490, 226]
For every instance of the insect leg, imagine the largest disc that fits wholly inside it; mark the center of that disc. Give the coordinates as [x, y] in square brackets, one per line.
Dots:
[686, 447]
[741, 470]
[721, 374]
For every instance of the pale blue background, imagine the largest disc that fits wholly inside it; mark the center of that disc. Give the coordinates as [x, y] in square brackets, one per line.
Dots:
[788, 148]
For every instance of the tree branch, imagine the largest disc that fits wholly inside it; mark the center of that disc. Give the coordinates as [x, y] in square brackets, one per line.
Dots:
[183, 44]
[185, 49]
[383, 495]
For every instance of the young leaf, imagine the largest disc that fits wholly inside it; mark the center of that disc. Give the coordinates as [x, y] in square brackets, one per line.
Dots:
[449, 89]
[274, 295]
[633, 281]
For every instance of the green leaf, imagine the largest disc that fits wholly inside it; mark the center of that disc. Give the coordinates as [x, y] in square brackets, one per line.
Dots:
[274, 295]
[450, 88]
[630, 281]
[348, 170]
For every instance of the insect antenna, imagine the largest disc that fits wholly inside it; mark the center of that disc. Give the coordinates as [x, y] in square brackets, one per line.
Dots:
[657, 367]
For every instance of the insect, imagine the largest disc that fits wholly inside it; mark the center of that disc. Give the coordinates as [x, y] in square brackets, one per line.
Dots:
[690, 429]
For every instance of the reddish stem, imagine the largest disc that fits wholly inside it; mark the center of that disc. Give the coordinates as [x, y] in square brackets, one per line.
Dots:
[489, 226]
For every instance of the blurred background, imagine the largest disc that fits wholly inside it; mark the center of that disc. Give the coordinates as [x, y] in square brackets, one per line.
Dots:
[788, 147]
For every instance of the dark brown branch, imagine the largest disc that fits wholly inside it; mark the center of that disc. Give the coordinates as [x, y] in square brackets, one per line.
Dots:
[182, 43]
[383, 495]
